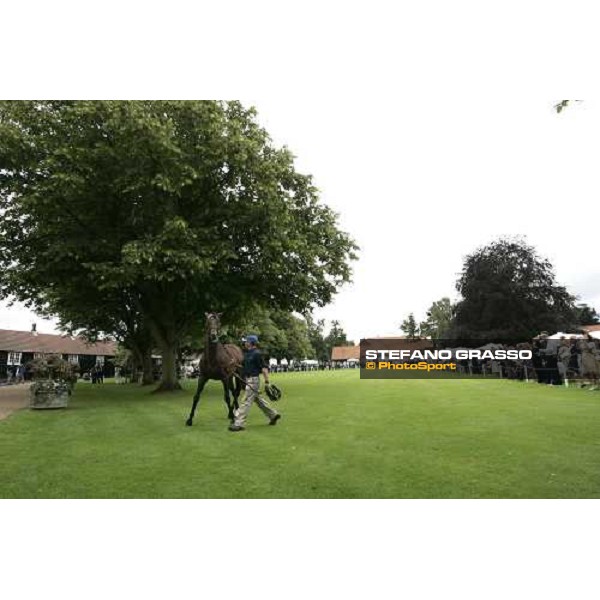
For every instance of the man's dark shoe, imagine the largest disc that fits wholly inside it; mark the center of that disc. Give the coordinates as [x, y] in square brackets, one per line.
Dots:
[236, 428]
[274, 420]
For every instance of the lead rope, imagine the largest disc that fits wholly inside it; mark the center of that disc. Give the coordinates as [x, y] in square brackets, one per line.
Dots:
[237, 365]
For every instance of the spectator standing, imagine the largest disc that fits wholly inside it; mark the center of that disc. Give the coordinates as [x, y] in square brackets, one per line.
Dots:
[564, 357]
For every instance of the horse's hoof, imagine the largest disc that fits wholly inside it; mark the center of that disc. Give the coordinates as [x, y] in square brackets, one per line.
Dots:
[189, 422]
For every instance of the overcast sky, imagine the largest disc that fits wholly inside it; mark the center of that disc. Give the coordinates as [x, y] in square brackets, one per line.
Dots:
[419, 183]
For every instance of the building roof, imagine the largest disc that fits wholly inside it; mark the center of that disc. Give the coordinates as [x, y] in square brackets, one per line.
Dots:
[45, 343]
[398, 337]
[383, 342]
[345, 352]
[591, 327]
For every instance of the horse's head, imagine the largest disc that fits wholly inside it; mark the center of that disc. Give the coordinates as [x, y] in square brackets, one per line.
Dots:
[213, 326]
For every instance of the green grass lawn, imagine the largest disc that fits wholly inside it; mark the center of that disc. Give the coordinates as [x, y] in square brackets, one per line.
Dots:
[340, 437]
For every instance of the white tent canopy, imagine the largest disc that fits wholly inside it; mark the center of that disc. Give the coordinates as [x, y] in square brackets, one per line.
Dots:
[555, 339]
[560, 334]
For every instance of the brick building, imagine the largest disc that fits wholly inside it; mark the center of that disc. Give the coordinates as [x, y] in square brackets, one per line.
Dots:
[20, 347]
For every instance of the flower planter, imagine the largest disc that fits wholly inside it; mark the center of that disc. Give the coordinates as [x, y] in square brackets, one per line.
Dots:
[49, 393]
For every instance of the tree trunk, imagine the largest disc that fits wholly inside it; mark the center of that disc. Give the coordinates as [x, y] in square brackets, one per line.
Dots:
[136, 362]
[141, 353]
[147, 368]
[169, 381]
[164, 333]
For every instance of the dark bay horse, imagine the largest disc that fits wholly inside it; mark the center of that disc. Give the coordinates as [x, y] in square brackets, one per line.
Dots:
[221, 362]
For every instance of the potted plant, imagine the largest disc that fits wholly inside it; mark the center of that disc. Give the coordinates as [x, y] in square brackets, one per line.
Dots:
[54, 380]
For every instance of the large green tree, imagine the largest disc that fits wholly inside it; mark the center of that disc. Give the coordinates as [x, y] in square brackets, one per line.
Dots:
[410, 327]
[297, 334]
[281, 334]
[439, 319]
[187, 206]
[316, 335]
[586, 315]
[336, 337]
[509, 292]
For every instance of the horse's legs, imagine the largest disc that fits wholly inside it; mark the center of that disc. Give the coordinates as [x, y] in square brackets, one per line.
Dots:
[201, 384]
[227, 399]
[236, 388]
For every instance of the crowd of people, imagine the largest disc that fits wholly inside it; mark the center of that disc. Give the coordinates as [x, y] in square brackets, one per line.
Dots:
[16, 374]
[283, 366]
[288, 366]
[570, 358]
[554, 361]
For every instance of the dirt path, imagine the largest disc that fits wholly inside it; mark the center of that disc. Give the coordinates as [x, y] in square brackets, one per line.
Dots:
[12, 398]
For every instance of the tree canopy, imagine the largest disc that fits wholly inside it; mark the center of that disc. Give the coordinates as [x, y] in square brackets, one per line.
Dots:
[510, 292]
[185, 207]
[410, 326]
[439, 319]
[336, 337]
[560, 106]
[281, 334]
[316, 335]
[586, 315]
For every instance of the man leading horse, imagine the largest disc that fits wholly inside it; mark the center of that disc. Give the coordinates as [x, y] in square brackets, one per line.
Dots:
[226, 363]
[254, 365]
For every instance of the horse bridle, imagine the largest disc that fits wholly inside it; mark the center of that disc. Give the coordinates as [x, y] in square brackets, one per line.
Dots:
[213, 330]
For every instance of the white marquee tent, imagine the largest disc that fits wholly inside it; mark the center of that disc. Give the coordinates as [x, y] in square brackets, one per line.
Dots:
[560, 334]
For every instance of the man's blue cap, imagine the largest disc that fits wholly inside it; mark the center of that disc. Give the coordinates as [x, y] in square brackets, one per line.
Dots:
[253, 339]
